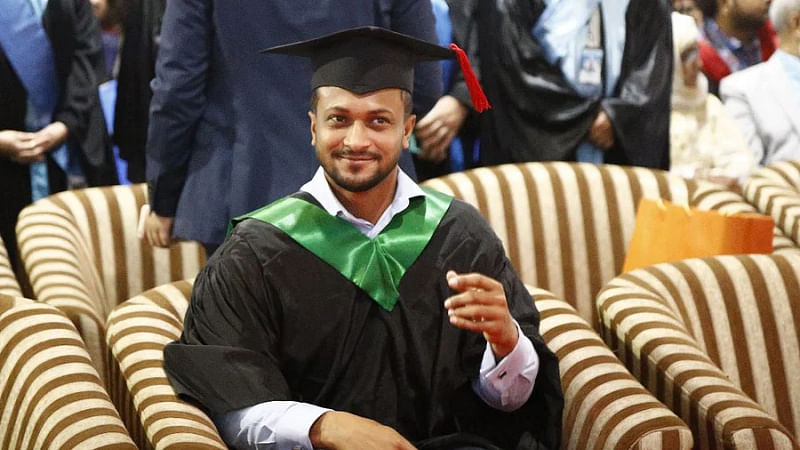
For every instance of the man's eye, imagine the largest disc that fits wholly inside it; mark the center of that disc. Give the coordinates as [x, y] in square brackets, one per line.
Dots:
[380, 121]
[336, 119]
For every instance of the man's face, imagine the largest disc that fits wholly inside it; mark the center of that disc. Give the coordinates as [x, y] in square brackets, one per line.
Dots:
[749, 14]
[359, 138]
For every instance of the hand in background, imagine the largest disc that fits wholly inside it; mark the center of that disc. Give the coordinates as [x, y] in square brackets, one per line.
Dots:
[481, 307]
[154, 229]
[14, 145]
[336, 430]
[601, 133]
[25, 148]
[437, 129]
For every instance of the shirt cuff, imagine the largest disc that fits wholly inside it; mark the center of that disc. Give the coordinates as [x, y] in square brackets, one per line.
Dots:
[509, 383]
[291, 431]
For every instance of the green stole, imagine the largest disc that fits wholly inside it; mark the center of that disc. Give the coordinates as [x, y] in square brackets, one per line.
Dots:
[374, 265]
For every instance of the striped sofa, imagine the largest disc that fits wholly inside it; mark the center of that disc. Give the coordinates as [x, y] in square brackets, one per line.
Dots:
[775, 190]
[605, 407]
[566, 226]
[137, 331]
[82, 255]
[8, 281]
[717, 340]
[50, 394]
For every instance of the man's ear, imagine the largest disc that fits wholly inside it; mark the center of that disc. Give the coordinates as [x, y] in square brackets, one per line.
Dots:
[408, 128]
[313, 118]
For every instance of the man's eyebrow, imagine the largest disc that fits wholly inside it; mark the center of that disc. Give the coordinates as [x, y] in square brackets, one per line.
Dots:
[336, 108]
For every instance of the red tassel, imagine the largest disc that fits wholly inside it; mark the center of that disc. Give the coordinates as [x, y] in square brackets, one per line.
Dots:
[479, 100]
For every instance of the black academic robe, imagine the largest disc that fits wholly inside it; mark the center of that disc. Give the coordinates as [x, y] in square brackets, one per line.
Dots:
[536, 115]
[268, 320]
[141, 24]
[77, 47]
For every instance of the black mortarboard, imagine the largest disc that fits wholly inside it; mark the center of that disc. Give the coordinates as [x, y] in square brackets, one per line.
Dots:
[367, 59]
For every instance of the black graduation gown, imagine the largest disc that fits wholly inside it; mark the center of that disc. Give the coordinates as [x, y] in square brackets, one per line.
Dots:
[141, 24]
[536, 115]
[277, 323]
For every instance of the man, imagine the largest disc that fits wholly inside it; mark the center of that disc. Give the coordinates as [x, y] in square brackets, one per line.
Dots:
[363, 311]
[52, 130]
[764, 99]
[215, 149]
[736, 35]
[576, 81]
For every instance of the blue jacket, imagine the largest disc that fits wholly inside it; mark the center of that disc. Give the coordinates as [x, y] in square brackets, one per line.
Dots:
[229, 129]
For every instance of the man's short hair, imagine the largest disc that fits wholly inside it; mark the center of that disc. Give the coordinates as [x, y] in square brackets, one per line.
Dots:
[780, 11]
[408, 103]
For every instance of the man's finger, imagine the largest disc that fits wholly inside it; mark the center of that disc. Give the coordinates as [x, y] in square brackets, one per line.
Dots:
[464, 282]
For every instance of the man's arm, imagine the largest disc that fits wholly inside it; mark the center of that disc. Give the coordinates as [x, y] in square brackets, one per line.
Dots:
[415, 18]
[179, 99]
[510, 364]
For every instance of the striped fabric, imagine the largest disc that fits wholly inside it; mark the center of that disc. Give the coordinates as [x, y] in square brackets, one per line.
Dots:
[8, 281]
[566, 226]
[50, 394]
[775, 190]
[717, 340]
[138, 330]
[604, 406]
[82, 255]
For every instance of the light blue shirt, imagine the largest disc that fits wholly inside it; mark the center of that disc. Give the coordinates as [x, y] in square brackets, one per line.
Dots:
[791, 66]
[506, 385]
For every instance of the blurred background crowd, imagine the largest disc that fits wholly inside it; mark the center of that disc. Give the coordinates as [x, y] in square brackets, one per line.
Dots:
[176, 94]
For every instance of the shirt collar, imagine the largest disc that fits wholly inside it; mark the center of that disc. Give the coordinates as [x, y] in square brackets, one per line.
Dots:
[319, 188]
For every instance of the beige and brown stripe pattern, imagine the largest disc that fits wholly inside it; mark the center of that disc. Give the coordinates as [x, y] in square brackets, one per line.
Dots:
[83, 256]
[604, 406]
[8, 281]
[138, 330]
[50, 394]
[566, 226]
[716, 339]
[775, 190]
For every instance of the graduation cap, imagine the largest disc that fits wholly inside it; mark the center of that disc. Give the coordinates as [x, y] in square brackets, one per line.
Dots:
[367, 59]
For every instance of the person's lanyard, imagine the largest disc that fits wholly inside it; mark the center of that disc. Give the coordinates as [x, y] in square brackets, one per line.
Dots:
[590, 73]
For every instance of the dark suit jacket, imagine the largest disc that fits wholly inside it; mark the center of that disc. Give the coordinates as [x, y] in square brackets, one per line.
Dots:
[229, 129]
[75, 39]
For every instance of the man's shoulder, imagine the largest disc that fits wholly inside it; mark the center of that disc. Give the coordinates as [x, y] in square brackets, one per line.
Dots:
[743, 81]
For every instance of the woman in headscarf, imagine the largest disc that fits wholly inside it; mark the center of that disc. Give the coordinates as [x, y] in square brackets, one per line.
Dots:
[704, 141]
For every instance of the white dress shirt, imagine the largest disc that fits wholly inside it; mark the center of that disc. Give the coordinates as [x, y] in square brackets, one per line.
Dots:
[504, 385]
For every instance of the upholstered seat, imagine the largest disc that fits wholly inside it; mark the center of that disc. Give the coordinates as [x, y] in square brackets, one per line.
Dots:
[775, 190]
[51, 396]
[137, 332]
[717, 340]
[81, 252]
[605, 408]
[566, 226]
[8, 281]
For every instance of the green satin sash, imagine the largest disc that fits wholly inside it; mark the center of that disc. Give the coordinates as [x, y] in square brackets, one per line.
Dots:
[374, 265]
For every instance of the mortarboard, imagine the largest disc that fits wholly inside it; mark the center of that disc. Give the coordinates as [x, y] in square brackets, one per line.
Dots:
[367, 59]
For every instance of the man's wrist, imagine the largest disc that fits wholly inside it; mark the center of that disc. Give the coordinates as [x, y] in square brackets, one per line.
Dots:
[318, 434]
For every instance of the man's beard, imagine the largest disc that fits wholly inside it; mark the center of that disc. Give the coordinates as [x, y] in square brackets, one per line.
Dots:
[747, 22]
[363, 185]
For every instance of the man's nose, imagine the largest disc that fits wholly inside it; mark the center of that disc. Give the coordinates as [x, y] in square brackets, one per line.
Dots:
[357, 136]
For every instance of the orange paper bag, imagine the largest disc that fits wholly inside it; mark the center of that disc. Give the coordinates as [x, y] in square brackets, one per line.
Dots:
[667, 232]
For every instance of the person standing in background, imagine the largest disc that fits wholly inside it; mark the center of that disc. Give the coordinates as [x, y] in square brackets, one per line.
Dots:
[736, 35]
[226, 132]
[141, 25]
[573, 81]
[52, 129]
[764, 100]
